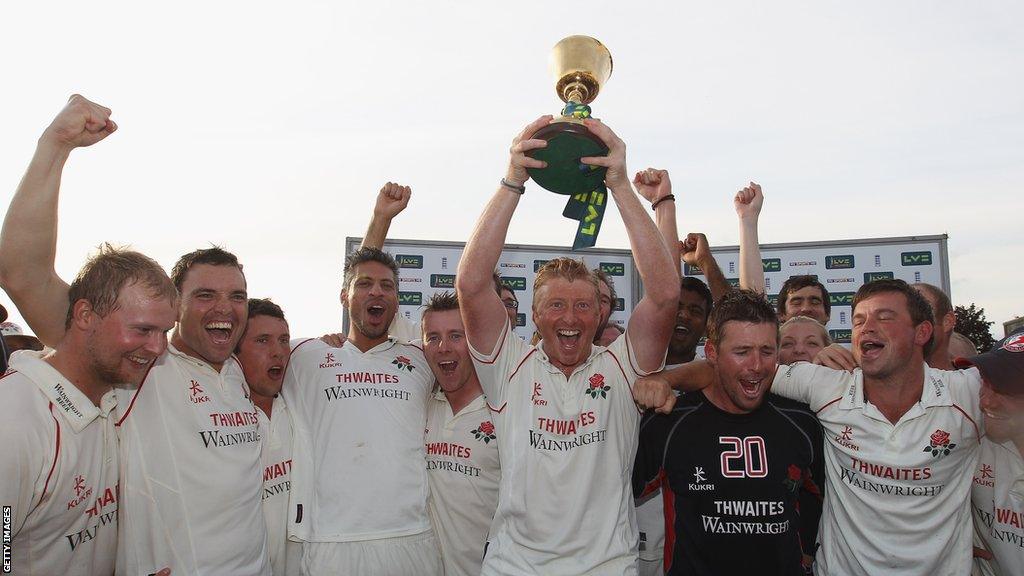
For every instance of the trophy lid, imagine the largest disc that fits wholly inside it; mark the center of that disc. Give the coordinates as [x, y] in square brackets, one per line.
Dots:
[580, 65]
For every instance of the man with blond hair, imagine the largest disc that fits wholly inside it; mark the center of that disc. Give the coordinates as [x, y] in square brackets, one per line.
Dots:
[190, 415]
[59, 474]
[563, 411]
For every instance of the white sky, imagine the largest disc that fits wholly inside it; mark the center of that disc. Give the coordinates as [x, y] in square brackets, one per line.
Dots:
[269, 127]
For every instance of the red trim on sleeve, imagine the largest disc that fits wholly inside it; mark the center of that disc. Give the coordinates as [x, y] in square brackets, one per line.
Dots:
[654, 483]
[977, 432]
[409, 344]
[56, 454]
[827, 405]
[669, 499]
[521, 362]
[620, 364]
[8, 373]
[292, 353]
[136, 395]
[629, 358]
[501, 343]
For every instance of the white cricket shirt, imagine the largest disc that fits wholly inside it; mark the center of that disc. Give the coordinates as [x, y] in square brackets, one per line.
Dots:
[463, 470]
[898, 495]
[358, 418]
[276, 433]
[650, 520]
[58, 472]
[191, 479]
[997, 499]
[565, 503]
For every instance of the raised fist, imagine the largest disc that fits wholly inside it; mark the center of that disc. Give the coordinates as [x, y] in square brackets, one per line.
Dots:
[748, 201]
[80, 123]
[694, 249]
[391, 200]
[653, 184]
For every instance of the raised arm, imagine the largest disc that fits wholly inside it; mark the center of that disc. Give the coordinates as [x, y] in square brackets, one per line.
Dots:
[696, 252]
[483, 312]
[28, 243]
[391, 200]
[650, 325]
[656, 187]
[748, 207]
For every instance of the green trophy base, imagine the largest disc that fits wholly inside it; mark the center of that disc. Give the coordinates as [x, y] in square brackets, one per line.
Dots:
[568, 141]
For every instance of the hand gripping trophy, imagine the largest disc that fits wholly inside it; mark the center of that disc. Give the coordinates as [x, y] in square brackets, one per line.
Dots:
[581, 65]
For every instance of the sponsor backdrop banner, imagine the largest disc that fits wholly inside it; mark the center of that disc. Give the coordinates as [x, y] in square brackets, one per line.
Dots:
[843, 266]
[426, 267]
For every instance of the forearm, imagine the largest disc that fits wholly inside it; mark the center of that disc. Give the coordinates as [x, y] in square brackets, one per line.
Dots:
[717, 282]
[377, 232]
[691, 376]
[28, 246]
[751, 268]
[657, 269]
[665, 219]
[476, 267]
[28, 242]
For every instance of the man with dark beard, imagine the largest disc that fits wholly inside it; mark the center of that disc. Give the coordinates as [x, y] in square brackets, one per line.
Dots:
[359, 413]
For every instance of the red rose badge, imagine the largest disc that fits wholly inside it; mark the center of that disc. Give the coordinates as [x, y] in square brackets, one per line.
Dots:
[485, 432]
[597, 387]
[938, 444]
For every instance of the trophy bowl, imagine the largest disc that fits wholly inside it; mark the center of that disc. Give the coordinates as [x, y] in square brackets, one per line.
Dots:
[581, 65]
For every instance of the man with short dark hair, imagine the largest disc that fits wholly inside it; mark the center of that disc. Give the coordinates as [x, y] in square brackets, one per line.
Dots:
[734, 456]
[59, 473]
[359, 413]
[564, 411]
[462, 446]
[804, 296]
[263, 354]
[902, 441]
[189, 416]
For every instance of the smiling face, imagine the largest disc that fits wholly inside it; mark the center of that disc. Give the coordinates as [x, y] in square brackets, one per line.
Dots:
[372, 301]
[263, 353]
[213, 312]
[691, 322]
[885, 339]
[744, 360]
[1004, 414]
[123, 345]
[566, 315]
[445, 348]
[800, 342]
[807, 301]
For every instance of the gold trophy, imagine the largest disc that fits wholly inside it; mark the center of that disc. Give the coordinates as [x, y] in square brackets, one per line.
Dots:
[581, 66]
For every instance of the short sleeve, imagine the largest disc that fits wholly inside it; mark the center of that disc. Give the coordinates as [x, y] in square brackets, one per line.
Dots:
[622, 348]
[495, 369]
[811, 384]
[28, 457]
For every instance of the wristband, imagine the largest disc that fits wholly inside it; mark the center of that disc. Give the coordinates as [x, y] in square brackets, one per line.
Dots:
[520, 189]
[662, 199]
